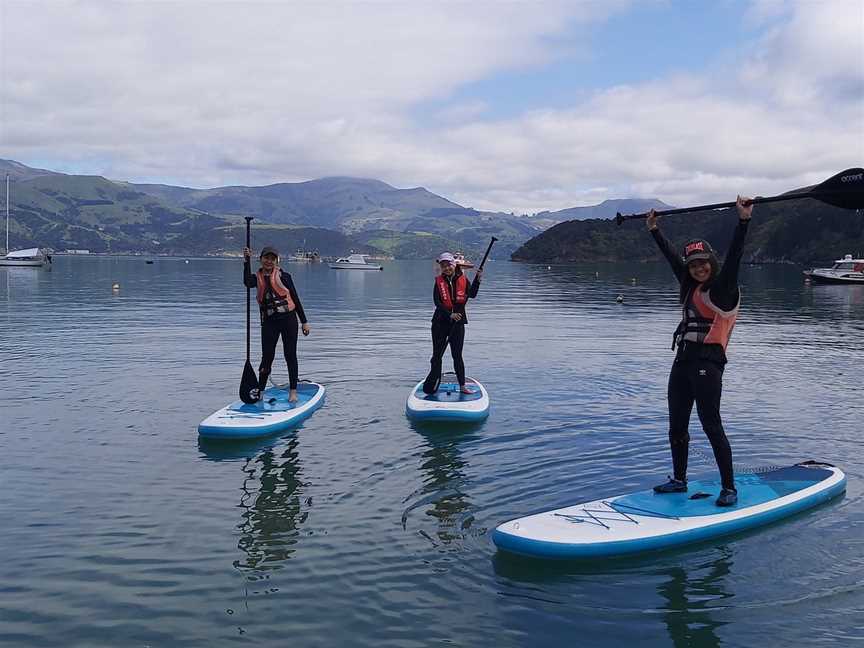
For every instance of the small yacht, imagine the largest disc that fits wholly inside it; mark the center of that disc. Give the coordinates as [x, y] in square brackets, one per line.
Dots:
[304, 256]
[844, 271]
[31, 257]
[462, 261]
[354, 262]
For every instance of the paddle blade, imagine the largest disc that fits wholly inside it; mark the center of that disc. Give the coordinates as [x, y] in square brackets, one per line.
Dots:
[249, 385]
[846, 189]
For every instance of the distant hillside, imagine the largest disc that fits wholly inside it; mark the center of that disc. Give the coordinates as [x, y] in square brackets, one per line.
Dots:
[413, 245]
[606, 209]
[18, 171]
[801, 231]
[67, 211]
[353, 206]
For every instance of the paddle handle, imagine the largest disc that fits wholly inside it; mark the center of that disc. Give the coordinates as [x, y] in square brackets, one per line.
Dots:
[488, 249]
[248, 295]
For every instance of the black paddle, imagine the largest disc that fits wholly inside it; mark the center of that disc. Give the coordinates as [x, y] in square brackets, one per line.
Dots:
[488, 249]
[846, 190]
[249, 392]
[447, 339]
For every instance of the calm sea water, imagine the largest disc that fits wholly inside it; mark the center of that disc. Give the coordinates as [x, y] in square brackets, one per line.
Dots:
[120, 528]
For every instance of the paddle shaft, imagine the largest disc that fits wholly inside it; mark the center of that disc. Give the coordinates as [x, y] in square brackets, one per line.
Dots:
[724, 205]
[248, 295]
[488, 249]
[845, 190]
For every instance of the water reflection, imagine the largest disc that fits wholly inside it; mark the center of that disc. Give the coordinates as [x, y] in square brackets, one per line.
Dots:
[443, 491]
[273, 510]
[690, 597]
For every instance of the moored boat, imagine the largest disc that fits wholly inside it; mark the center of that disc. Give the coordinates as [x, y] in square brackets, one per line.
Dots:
[844, 271]
[304, 256]
[31, 257]
[354, 262]
[462, 261]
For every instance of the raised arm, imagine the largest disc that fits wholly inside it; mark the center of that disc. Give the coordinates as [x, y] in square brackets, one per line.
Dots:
[724, 292]
[665, 246]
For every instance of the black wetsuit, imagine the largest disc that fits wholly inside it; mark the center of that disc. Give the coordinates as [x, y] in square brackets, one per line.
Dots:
[274, 324]
[445, 330]
[697, 373]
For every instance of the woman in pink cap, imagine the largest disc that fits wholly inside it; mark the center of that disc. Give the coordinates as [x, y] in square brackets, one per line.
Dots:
[451, 293]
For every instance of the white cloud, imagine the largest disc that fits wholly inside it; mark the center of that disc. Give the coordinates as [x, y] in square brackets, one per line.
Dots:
[205, 94]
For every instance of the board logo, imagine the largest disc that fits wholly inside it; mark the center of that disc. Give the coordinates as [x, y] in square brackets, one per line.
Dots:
[852, 177]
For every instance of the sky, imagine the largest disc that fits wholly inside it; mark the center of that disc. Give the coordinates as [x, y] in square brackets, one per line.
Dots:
[505, 106]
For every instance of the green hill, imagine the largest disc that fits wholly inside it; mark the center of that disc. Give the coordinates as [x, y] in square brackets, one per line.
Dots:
[797, 231]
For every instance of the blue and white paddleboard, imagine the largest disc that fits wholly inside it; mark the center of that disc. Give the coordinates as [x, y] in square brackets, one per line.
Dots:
[646, 521]
[449, 403]
[273, 413]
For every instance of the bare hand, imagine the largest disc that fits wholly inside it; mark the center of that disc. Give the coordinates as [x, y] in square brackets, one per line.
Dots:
[456, 317]
[745, 208]
[651, 220]
[306, 329]
[247, 253]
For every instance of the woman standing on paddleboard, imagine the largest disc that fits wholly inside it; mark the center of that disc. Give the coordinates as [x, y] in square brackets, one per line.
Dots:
[280, 308]
[710, 298]
[450, 294]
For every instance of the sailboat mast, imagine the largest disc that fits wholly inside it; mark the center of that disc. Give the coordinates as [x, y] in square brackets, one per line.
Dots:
[7, 213]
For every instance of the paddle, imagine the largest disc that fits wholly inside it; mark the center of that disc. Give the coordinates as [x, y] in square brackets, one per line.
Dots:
[447, 339]
[486, 255]
[846, 190]
[249, 382]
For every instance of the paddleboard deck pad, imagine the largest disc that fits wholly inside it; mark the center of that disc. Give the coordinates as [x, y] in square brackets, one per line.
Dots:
[647, 521]
[273, 413]
[449, 403]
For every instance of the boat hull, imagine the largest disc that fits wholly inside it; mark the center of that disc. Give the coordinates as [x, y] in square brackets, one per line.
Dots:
[346, 266]
[816, 277]
[21, 263]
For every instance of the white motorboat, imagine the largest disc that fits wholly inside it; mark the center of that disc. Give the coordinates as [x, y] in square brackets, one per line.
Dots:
[31, 257]
[354, 262]
[844, 271]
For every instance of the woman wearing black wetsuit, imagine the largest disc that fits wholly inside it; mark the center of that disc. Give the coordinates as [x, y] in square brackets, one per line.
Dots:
[710, 297]
[280, 308]
[450, 294]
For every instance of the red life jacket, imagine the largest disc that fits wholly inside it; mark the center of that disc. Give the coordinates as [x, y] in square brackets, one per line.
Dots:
[461, 283]
[704, 322]
[282, 296]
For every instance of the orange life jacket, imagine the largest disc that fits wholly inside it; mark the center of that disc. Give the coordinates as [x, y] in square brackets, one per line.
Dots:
[282, 296]
[704, 322]
[461, 284]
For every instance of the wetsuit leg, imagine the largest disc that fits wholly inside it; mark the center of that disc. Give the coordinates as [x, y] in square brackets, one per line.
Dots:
[440, 337]
[457, 340]
[288, 328]
[269, 339]
[707, 383]
[680, 396]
